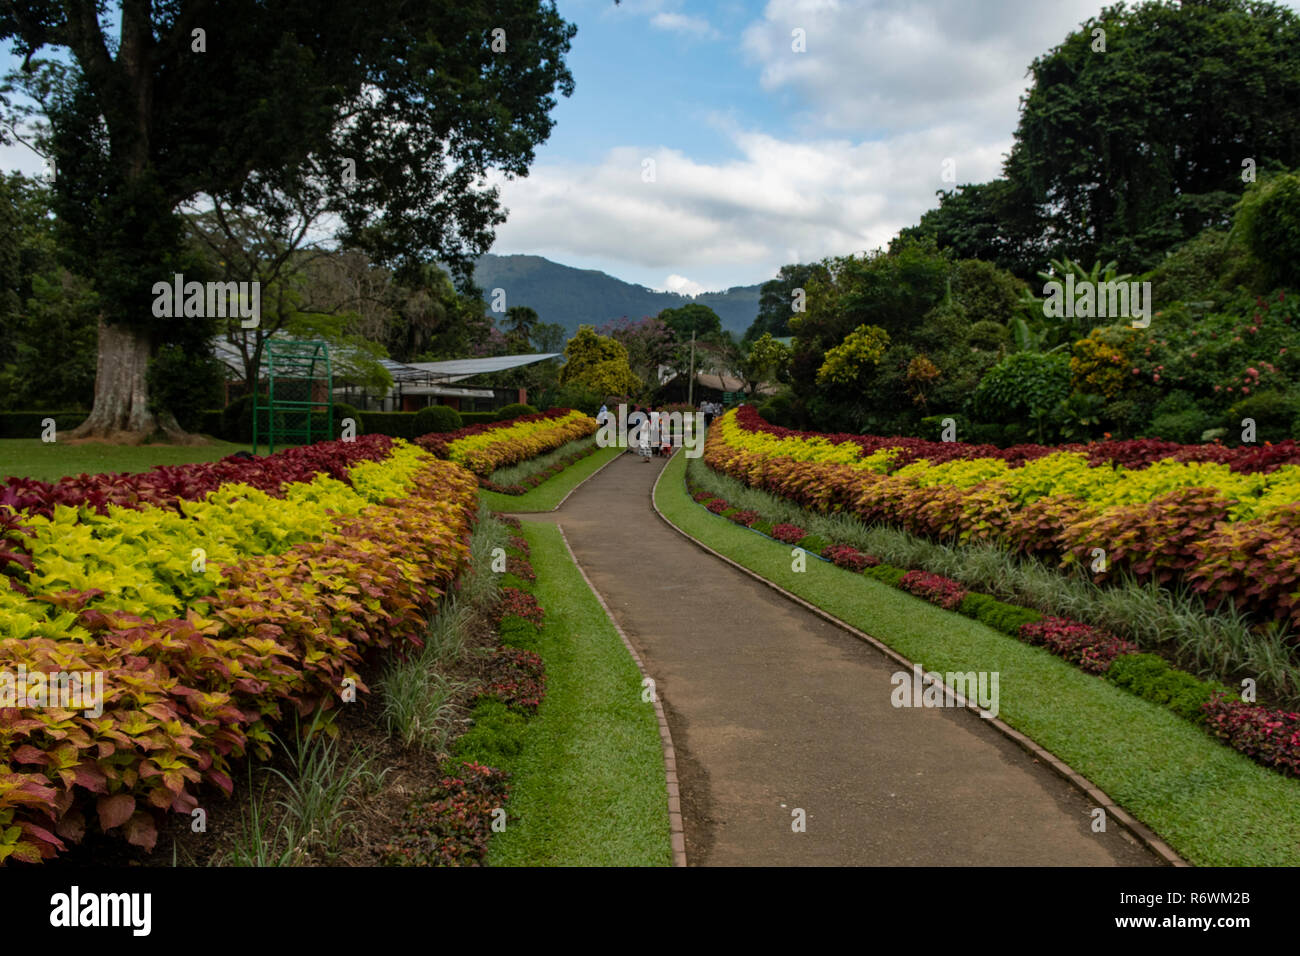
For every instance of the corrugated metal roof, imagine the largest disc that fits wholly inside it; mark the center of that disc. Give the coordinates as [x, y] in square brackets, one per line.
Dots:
[457, 369]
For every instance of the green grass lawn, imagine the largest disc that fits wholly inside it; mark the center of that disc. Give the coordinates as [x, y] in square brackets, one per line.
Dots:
[550, 492]
[588, 787]
[1213, 805]
[33, 458]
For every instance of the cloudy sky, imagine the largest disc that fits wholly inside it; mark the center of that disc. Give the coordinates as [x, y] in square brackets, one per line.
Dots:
[763, 155]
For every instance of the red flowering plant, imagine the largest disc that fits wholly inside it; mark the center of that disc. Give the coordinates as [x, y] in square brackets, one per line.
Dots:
[451, 825]
[717, 506]
[1091, 648]
[1271, 737]
[517, 678]
[745, 517]
[517, 603]
[935, 588]
[849, 557]
[789, 533]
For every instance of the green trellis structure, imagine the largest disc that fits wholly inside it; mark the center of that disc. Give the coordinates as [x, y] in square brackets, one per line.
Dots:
[296, 372]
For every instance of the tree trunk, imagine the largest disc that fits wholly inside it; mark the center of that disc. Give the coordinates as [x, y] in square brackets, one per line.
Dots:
[121, 410]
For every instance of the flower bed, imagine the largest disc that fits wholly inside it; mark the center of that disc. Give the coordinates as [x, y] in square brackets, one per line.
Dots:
[184, 695]
[1226, 521]
[485, 448]
[535, 479]
[452, 824]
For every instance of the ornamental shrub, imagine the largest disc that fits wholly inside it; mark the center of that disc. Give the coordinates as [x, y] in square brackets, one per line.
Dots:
[935, 588]
[886, 574]
[437, 418]
[514, 411]
[1150, 677]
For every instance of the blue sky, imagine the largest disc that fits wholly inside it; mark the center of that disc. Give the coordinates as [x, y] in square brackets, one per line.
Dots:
[764, 155]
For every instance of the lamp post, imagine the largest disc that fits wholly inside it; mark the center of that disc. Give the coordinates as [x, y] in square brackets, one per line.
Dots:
[690, 385]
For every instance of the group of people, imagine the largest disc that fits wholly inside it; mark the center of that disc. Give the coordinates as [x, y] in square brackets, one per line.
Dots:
[657, 439]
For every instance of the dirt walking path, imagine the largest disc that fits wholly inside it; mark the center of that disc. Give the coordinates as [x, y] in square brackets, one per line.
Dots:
[773, 711]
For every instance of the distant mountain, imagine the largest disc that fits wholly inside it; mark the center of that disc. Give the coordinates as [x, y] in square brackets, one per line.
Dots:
[571, 297]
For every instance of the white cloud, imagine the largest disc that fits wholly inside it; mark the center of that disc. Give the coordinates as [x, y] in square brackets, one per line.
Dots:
[683, 285]
[886, 92]
[736, 221]
[681, 23]
[890, 65]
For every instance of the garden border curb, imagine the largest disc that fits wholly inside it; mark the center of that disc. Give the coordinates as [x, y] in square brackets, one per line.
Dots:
[1144, 834]
[676, 830]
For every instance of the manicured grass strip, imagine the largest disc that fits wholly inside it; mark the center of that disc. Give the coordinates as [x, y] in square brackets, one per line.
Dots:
[49, 461]
[552, 491]
[588, 788]
[1213, 805]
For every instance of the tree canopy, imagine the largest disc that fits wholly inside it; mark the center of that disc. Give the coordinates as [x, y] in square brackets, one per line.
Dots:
[393, 112]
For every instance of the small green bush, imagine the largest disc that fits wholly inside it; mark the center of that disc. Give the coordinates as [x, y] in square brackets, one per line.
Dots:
[764, 527]
[392, 424]
[988, 336]
[885, 573]
[514, 411]
[1178, 418]
[436, 418]
[1006, 618]
[498, 732]
[516, 631]
[1272, 410]
[814, 543]
[1150, 677]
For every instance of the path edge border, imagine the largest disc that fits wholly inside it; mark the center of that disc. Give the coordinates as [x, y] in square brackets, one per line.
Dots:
[676, 829]
[1139, 830]
[561, 502]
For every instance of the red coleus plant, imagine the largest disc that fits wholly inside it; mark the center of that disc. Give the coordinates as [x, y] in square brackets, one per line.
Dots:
[935, 588]
[745, 517]
[789, 533]
[520, 604]
[165, 484]
[717, 506]
[849, 557]
[1089, 647]
[1271, 737]
[517, 678]
[1136, 453]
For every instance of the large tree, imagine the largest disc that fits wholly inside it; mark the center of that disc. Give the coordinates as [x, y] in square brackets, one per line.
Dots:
[779, 299]
[394, 111]
[1130, 150]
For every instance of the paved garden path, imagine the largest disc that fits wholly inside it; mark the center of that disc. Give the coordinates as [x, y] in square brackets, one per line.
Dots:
[773, 709]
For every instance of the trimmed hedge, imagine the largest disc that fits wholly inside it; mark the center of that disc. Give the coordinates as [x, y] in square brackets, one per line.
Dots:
[1150, 677]
[392, 424]
[1006, 618]
[28, 424]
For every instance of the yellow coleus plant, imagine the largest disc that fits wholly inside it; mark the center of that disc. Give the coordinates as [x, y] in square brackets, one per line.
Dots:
[156, 562]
